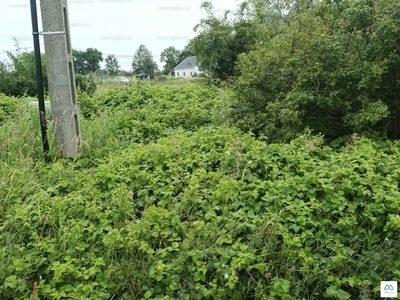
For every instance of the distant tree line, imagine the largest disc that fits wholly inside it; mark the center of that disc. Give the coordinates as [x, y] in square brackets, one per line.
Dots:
[18, 73]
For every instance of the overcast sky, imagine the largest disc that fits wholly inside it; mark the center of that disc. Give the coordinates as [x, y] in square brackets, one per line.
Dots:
[112, 26]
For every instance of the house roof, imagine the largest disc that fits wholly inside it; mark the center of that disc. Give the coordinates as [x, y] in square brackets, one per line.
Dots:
[187, 63]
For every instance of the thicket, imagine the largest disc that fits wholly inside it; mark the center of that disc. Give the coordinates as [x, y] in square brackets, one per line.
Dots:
[86, 84]
[7, 107]
[149, 111]
[18, 75]
[169, 202]
[333, 69]
[331, 66]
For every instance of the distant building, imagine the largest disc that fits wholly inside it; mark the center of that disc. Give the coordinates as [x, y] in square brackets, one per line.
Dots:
[187, 68]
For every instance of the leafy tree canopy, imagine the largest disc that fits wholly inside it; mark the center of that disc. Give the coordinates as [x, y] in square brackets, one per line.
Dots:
[88, 61]
[332, 68]
[18, 74]
[143, 62]
[170, 56]
[112, 66]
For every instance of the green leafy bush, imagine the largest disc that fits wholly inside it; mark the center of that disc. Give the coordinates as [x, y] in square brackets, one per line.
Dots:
[211, 214]
[86, 83]
[168, 202]
[7, 106]
[148, 111]
[87, 105]
[18, 75]
[331, 69]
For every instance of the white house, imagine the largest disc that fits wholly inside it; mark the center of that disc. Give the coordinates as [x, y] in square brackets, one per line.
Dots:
[187, 68]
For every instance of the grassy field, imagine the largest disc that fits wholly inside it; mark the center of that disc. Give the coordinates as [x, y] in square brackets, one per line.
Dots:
[168, 200]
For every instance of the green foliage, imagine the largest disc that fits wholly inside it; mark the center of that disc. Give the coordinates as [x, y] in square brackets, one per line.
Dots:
[170, 56]
[87, 105]
[147, 111]
[168, 202]
[18, 75]
[87, 61]
[8, 106]
[143, 62]
[20, 139]
[86, 84]
[331, 69]
[220, 40]
[112, 66]
[161, 78]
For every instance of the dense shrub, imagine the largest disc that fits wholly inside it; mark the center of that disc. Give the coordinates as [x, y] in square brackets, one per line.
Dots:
[87, 105]
[148, 111]
[18, 76]
[332, 68]
[86, 84]
[207, 215]
[166, 202]
[7, 106]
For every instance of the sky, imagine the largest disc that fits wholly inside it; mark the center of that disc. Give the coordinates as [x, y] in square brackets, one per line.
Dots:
[112, 26]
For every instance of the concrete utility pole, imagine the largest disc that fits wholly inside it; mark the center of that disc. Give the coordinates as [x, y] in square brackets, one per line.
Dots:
[61, 77]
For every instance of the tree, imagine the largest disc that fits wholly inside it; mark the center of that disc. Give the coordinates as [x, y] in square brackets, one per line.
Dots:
[18, 75]
[88, 61]
[143, 62]
[221, 39]
[170, 56]
[112, 66]
[79, 61]
[332, 69]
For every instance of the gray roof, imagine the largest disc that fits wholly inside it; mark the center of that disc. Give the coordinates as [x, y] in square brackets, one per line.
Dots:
[187, 63]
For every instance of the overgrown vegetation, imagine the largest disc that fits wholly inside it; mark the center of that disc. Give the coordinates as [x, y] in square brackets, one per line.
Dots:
[326, 65]
[85, 84]
[18, 74]
[169, 202]
[218, 187]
